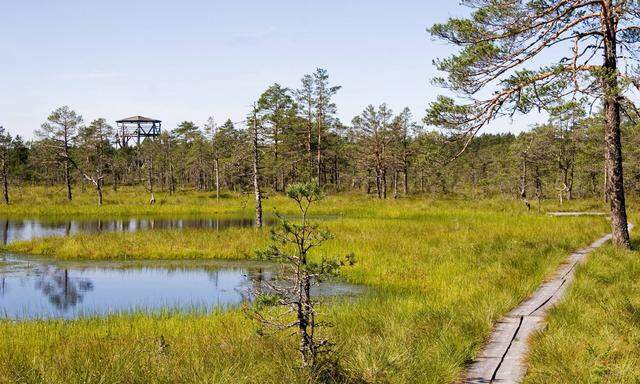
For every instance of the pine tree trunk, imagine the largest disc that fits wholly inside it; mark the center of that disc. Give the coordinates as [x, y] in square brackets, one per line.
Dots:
[615, 181]
[319, 127]
[605, 194]
[5, 182]
[67, 179]
[172, 180]
[405, 182]
[570, 184]
[217, 170]
[256, 176]
[152, 199]
[309, 134]
[395, 184]
[613, 145]
[538, 187]
[115, 182]
[379, 183]
[99, 190]
[384, 183]
[523, 183]
[319, 159]
[336, 175]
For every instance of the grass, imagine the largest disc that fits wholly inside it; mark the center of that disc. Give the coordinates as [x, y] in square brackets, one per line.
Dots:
[51, 202]
[593, 336]
[440, 274]
[169, 244]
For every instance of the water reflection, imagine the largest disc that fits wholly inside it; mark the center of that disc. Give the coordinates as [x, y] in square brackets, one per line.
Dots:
[40, 288]
[33, 287]
[27, 229]
[62, 290]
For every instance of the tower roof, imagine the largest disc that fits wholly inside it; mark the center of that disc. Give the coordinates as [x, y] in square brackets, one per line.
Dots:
[138, 119]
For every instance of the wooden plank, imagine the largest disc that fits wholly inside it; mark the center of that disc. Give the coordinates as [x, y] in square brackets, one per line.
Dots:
[513, 366]
[560, 214]
[500, 338]
[503, 359]
[482, 369]
[544, 293]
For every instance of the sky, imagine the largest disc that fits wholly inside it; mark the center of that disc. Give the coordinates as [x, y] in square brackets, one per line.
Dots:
[190, 59]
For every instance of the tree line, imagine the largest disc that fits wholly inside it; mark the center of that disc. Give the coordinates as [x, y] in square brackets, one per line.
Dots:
[293, 135]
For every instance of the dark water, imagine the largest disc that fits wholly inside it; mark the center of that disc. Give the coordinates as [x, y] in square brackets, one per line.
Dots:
[39, 288]
[26, 229]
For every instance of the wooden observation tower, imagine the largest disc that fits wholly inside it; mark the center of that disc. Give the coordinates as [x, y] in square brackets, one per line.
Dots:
[138, 128]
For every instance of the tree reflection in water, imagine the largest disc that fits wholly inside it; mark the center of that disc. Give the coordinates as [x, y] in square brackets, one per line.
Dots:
[257, 278]
[62, 290]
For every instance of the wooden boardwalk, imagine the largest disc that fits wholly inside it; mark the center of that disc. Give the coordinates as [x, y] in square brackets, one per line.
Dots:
[503, 359]
[577, 214]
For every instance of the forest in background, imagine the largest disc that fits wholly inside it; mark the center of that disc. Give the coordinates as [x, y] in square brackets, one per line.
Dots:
[294, 135]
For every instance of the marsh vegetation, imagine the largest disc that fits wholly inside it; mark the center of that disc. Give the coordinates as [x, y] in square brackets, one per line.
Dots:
[447, 221]
[437, 275]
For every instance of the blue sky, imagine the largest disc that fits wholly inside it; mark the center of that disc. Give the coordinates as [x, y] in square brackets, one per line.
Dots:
[187, 60]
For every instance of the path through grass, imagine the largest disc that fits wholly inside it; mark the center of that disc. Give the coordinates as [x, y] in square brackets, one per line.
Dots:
[593, 335]
[440, 274]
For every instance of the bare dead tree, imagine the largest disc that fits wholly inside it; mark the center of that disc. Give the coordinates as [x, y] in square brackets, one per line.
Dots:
[255, 151]
[523, 182]
[95, 149]
[538, 186]
[5, 158]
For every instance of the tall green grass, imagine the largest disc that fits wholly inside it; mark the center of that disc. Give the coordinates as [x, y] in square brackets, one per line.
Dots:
[51, 202]
[440, 274]
[593, 336]
[232, 243]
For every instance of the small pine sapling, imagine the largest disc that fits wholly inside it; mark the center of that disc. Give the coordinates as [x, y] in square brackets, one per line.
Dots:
[287, 302]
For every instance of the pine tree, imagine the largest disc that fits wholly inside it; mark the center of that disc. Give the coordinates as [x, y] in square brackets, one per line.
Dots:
[502, 37]
[59, 133]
